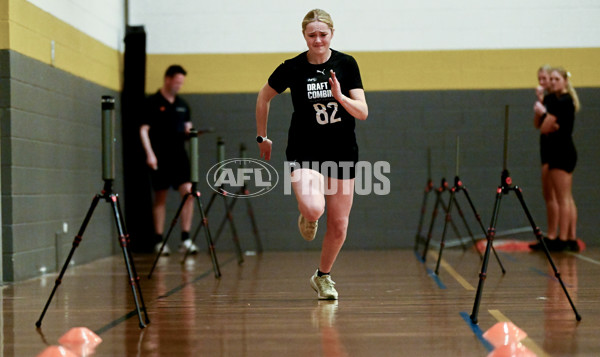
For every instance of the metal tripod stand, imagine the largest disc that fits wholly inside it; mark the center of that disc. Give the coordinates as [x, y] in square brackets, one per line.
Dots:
[220, 191]
[459, 187]
[505, 188]
[107, 194]
[204, 221]
[244, 191]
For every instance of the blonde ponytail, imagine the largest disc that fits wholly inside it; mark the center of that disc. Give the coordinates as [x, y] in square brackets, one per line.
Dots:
[567, 77]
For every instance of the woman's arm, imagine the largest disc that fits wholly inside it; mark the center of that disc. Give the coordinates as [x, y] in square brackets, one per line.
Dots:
[263, 103]
[539, 111]
[549, 125]
[356, 104]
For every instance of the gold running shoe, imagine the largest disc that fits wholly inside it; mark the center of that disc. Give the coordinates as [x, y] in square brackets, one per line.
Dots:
[308, 230]
[323, 285]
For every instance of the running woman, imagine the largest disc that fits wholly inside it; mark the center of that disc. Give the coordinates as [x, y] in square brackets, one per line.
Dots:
[327, 96]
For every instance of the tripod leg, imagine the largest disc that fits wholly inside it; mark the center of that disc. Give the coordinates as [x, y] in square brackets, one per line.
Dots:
[454, 228]
[164, 242]
[475, 213]
[128, 262]
[486, 256]
[195, 235]
[464, 220]
[210, 202]
[478, 217]
[236, 239]
[429, 232]
[443, 241]
[128, 242]
[225, 219]
[422, 216]
[539, 237]
[259, 247]
[76, 242]
[209, 241]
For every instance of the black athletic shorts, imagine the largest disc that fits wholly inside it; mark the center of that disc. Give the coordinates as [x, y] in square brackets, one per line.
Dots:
[563, 160]
[170, 173]
[343, 170]
[342, 167]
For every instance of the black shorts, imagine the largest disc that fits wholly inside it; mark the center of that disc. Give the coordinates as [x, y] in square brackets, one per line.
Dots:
[563, 160]
[343, 170]
[336, 161]
[170, 174]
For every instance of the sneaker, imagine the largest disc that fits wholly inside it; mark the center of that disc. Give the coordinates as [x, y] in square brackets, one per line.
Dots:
[308, 230]
[572, 245]
[323, 285]
[187, 245]
[165, 252]
[550, 243]
[559, 245]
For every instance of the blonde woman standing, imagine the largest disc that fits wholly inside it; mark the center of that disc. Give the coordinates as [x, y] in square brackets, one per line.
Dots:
[557, 121]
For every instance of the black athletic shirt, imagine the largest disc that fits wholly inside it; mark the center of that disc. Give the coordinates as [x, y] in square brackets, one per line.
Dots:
[564, 110]
[321, 129]
[544, 145]
[167, 126]
[561, 148]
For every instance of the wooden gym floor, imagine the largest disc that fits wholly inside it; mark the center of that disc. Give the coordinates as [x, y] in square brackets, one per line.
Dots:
[391, 304]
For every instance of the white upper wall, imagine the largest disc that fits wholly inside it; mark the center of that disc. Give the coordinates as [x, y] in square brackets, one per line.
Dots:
[104, 20]
[241, 26]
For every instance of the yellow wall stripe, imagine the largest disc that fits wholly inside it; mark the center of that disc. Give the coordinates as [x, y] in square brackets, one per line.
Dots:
[388, 71]
[3, 24]
[26, 29]
[30, 31]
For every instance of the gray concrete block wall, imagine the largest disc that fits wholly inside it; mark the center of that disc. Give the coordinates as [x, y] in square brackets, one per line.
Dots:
[51, 167]
[401, 128]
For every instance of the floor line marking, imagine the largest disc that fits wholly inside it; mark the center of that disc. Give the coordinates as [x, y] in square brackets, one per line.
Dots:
[477, 331]
[133, 312]
[462, 281]
[430, 272]
[583, 257]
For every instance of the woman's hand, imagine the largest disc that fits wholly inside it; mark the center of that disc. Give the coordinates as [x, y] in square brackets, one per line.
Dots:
[336, 89]
[539, 93]
[356, 104]
[265, 149]
[539, 108]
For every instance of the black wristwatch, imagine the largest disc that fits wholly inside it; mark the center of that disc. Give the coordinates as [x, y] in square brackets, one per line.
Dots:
[260, 139]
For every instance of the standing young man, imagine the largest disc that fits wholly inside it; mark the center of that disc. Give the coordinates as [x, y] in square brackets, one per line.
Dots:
[165, 127]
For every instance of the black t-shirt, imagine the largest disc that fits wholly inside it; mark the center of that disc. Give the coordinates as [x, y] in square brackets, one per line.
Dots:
[321, 129]
[167, 125]
[563, 109]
